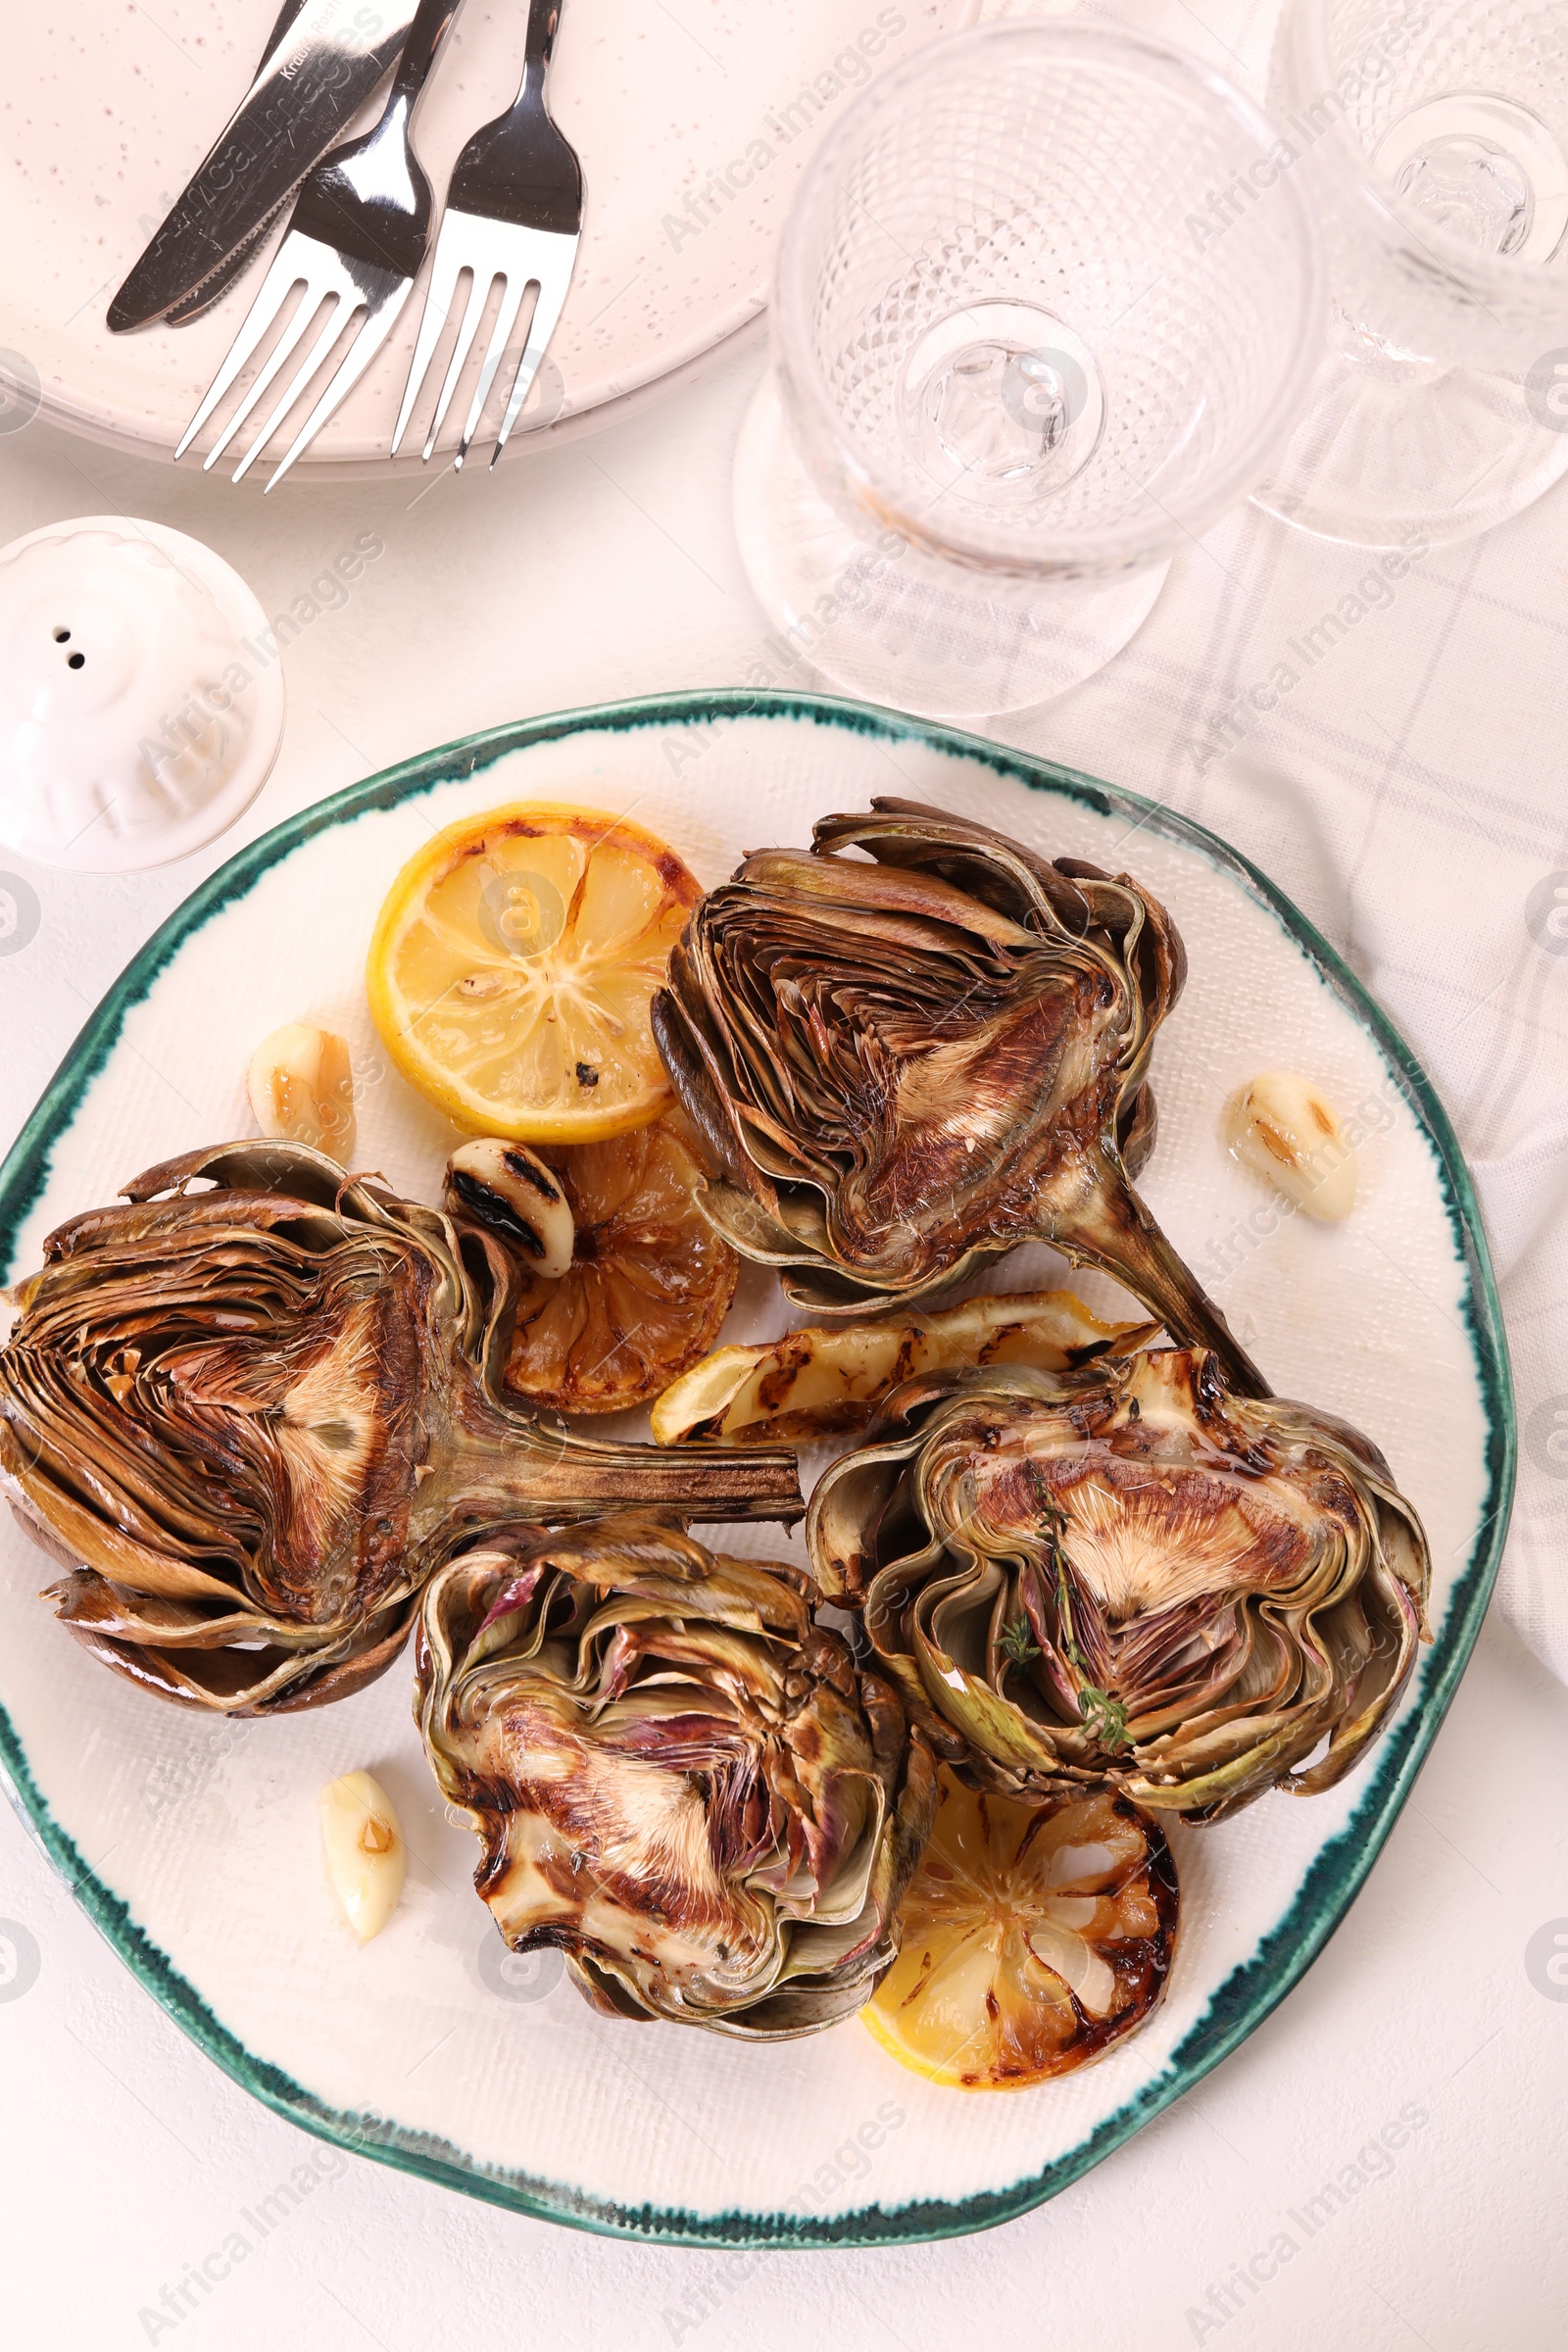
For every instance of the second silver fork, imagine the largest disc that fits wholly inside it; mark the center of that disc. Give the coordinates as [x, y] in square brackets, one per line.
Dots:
[356, 240]
[514, 212]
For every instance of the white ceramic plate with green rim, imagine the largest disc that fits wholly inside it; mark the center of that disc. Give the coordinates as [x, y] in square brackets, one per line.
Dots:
[194, 1845]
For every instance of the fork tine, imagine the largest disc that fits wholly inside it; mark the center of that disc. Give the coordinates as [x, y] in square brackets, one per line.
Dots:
[438, 301]
[472, 309]
[516, 285]
[287, 344]
[285, 273]
[372, 333]
[541, 327]
[331, 328]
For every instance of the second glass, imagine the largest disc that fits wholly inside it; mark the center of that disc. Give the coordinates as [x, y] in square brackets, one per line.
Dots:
[1046, 305]
[1435, 142]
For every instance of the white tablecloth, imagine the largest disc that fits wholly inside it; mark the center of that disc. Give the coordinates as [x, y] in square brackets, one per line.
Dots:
[1389, 750]
[1407, 790]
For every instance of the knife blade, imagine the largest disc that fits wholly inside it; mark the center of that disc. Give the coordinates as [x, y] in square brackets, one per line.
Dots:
[213, 288]
[318, 72]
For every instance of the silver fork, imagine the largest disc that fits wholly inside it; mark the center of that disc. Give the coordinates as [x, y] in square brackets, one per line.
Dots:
[513, 212]
[357, 241]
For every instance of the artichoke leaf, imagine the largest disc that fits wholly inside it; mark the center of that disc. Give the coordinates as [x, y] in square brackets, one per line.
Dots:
[758, 1233]
[990, 1721]
[247, 1679]
[738, 1592]
[82, 1599]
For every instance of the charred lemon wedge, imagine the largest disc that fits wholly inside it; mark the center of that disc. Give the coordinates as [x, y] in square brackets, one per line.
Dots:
[648, 1285]
[512, 966]
[1035, 1937]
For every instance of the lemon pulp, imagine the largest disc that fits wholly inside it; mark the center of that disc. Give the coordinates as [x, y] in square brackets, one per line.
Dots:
[512, 965]
[649, 1285]
[1036, 1934]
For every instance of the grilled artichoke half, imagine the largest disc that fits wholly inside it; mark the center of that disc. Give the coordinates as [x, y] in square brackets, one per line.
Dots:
[1128, 1574]
[678, 1779]
[251, 1420]
[906, 1060]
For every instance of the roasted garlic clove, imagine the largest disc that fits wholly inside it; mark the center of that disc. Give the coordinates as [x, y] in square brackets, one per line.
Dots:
[509, 1187]
[1281, 1126]
[301, 1087]
[366, 1859]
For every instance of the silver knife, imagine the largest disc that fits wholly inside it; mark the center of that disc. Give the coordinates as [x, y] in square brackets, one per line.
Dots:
[317, 76]
[212, 289]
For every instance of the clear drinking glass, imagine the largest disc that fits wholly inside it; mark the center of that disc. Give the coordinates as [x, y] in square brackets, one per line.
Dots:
[1016, 365]
[1436, 140]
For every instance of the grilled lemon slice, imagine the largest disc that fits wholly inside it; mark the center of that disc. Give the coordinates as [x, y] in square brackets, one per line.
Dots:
[512, 966]
[649, 1285]
[1036, 1935]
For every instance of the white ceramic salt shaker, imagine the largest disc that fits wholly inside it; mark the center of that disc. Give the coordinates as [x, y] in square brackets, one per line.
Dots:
[141, 697]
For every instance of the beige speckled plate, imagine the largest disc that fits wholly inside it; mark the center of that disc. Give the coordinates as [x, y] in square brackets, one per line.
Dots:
[693, 122]
[194, 1843]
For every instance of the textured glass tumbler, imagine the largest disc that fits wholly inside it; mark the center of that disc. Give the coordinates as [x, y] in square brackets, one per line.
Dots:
[1019, 360]
[1435, 142]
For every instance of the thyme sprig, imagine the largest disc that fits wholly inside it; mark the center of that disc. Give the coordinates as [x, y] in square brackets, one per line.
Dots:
[1016, 1645]
[1104, 1718]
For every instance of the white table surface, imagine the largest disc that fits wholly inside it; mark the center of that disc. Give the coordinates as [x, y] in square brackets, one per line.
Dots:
[598, 571]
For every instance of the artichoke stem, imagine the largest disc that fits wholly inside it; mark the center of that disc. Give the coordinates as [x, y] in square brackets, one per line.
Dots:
[1127, 1244]
[553, 1474]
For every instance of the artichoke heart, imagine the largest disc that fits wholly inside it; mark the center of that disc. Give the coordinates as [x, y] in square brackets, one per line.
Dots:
[916, 1044]
[676, 1778]
[1128, 1574]
[251, 1420]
